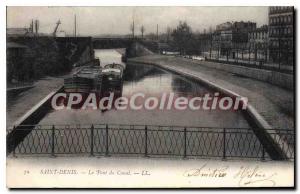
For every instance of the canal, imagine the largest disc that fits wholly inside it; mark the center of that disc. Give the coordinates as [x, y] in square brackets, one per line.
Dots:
[207, 140]
[151, 81]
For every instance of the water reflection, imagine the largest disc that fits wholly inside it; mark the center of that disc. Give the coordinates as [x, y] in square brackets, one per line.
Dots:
[152, 81]
[108, 56]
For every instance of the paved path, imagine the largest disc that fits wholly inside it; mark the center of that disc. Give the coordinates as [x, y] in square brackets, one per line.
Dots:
[275, 104]
[19, 105]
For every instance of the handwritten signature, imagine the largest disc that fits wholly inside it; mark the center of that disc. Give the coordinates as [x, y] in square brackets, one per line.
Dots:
[254, 176]
[205, 171]
[246, 175]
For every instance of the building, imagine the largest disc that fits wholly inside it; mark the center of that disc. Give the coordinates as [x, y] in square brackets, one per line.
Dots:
[205, 44]
[224, 26]
[18, 32]
[281, 32]
[14, 32]
[15, 53]
[231, 37]
[258, 42]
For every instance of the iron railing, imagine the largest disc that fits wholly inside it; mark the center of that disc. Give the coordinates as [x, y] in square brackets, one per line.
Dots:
[255, 64]
[11, 86]
[147, 141]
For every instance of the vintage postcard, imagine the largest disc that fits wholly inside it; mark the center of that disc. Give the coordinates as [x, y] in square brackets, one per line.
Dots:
[150, 97]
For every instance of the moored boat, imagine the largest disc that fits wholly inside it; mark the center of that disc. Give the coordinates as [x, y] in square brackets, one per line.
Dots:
[88, 79]
[113, 73]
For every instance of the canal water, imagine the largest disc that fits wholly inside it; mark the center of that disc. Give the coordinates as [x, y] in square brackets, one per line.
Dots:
[108, 56]
[153, 82]
[126, 139]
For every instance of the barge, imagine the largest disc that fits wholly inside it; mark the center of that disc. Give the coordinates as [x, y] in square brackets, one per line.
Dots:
[88, 79]
[113, 74]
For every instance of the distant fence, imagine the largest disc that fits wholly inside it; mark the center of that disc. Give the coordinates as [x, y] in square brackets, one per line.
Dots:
[266, 73]
[255, 64]
[149, 141]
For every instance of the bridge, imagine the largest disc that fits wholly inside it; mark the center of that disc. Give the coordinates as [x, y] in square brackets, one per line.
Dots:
[133, 46]
[76, 47]
[111, 43]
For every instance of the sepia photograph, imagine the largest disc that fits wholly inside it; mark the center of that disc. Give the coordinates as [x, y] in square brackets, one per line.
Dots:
[150, 96]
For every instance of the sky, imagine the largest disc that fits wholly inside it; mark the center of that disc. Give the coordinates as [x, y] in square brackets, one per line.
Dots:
[93, 21]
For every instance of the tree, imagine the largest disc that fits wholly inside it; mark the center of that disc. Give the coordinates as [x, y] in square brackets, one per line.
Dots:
[182, 37]
[142, 31]
[132, 29]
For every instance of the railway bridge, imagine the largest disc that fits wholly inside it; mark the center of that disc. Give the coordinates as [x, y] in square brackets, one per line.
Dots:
[133, 46]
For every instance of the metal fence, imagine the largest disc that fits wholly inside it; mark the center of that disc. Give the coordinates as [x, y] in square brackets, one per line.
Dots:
[255, 64]
[258, 64]
[149, 141]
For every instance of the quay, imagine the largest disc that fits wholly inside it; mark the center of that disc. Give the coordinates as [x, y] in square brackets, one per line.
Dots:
[271, 102]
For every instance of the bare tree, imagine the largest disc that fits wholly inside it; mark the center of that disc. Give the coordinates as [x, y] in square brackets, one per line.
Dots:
[142, 31]
[132, 28]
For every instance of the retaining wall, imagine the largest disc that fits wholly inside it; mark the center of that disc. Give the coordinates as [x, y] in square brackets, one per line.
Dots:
[280, 79]
[262, 128]
[28, 120]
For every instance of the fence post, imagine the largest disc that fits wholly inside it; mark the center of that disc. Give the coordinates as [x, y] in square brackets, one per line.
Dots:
[53, 140]
[224, 143]
[13, 143]
[146, 141]
[106, 147]
[184, 143]
[92, 140]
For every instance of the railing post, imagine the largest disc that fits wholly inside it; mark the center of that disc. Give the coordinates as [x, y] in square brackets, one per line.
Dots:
[146, 141]
[92, 140]
[13, 144]
[106, 147]
[224, 143]
[53, 140]
[184, 143]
